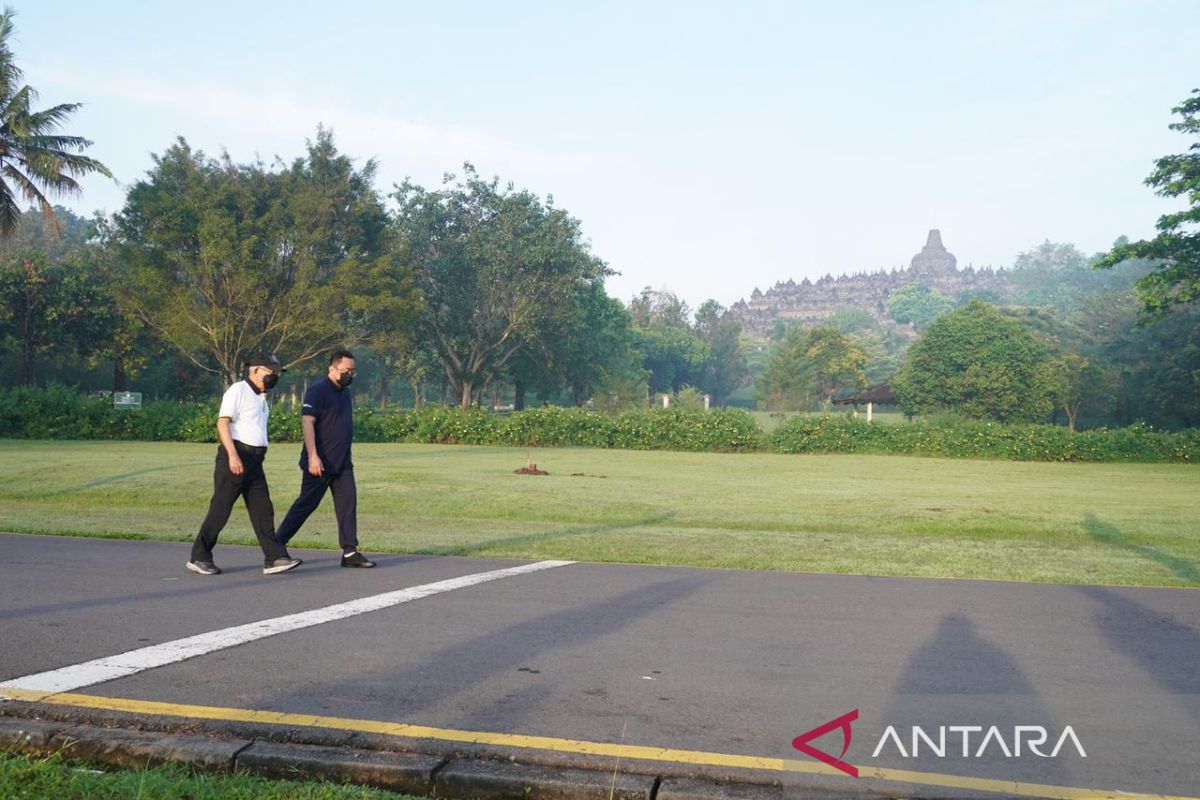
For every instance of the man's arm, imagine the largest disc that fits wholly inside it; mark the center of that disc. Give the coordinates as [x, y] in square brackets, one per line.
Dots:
[223, 433]
[309, 424]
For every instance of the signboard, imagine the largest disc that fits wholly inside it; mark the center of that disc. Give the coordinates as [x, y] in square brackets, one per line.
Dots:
[127, 400]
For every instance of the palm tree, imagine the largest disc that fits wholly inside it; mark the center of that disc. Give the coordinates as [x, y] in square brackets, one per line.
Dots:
[33, 157]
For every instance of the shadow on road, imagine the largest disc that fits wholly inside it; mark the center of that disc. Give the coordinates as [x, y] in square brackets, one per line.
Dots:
[1165, 648]
[442, 676]
[196, 586]
[959, 677]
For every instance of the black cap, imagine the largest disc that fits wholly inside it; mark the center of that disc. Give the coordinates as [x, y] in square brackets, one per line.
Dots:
[264, 359]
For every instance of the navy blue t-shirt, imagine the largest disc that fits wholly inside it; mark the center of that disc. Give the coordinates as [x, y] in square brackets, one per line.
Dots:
[332, 410]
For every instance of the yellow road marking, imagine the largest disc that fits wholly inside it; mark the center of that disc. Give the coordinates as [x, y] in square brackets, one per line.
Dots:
[578, 746]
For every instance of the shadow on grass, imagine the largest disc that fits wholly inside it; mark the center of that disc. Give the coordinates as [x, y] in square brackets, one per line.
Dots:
[475, 548]
[115, 478]
[1112, 535]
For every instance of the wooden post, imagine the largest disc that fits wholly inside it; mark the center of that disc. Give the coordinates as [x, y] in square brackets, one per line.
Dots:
[870, 406]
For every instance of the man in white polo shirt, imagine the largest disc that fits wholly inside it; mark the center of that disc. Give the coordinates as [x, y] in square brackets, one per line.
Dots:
[242, 429]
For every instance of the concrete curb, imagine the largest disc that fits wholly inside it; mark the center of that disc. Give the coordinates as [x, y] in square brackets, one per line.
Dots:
[421, 768]
[401, 772]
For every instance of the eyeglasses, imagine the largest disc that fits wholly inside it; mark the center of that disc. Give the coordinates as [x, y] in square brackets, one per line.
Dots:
[345, 372]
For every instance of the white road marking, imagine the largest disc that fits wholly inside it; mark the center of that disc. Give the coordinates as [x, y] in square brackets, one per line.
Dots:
[89, 673]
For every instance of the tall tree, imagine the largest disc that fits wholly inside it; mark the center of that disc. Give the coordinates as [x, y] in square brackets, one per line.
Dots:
[1175, 280]
[34, 157]
[977, 362]
[885, 346]
[1155, 362]
[786, 383]
[835, 361]
[811, 365]
[1078, 377]
[497, 269]
[724, 367]
[581, 352]
[227, 258]
[671, 353]
[49, 310]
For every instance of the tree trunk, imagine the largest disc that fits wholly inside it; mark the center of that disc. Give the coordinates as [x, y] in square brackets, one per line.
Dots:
[28, 364]
[518, 396]
[383, 390]
[28, 350]
[118, 381]
[418, 390]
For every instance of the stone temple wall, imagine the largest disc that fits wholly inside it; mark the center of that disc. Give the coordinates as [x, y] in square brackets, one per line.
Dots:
[811, 303]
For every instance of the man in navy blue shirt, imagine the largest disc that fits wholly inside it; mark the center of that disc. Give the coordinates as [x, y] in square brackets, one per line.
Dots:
[328, 422]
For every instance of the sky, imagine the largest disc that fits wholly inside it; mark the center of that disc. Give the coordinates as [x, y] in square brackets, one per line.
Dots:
[706, 148]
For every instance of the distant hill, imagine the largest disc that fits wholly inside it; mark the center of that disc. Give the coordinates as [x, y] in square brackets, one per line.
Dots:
[809, 303]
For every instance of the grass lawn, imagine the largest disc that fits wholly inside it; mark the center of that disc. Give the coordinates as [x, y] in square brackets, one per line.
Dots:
[1116, 524]
[54, 779]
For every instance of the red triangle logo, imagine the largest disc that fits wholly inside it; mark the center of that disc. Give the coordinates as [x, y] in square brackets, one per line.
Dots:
[801, 743]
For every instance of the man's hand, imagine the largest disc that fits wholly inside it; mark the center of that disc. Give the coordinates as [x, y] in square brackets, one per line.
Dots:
[315, 467]
[235, 465]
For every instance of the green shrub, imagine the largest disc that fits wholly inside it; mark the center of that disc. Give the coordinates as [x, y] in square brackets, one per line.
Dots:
[957, 438]
[435, 424]
[825, 434]
[558, 427]
[61, 413]
[167, 420]
[724, 430]
[56, 412]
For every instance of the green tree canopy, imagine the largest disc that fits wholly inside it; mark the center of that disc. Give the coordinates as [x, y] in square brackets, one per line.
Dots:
[810, 365]
[34, 158]
[671, 352]
[498, 269]
[786, 382]
[50, 310]
[724, 367]
[227, 258]
[918, 304]
[1175, 279]
[582, 351]
[977, 362]
[55, 239]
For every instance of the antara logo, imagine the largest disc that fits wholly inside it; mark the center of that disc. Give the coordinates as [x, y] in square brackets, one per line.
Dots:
[801, 742]
[1034, 737]
[1031, 737]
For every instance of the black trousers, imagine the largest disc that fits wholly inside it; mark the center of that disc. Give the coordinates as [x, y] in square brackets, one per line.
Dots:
[251, 485]
[312, 490]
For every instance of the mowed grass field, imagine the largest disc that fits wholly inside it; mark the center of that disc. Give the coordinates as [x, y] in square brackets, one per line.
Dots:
[868, 515]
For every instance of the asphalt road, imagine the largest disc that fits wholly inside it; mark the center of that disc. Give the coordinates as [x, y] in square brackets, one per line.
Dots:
[705, 660]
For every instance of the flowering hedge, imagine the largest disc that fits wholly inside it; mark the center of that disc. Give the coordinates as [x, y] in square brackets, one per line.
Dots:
[976, 439]
[60, 413]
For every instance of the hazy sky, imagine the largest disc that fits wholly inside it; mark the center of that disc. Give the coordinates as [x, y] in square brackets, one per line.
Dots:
[708, 148]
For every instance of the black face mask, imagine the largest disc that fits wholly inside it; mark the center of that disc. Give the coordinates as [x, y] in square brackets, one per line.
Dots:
[269, 380]
[345, 380]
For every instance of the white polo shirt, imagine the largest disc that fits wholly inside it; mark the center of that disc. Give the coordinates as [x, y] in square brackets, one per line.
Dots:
[247, 411]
